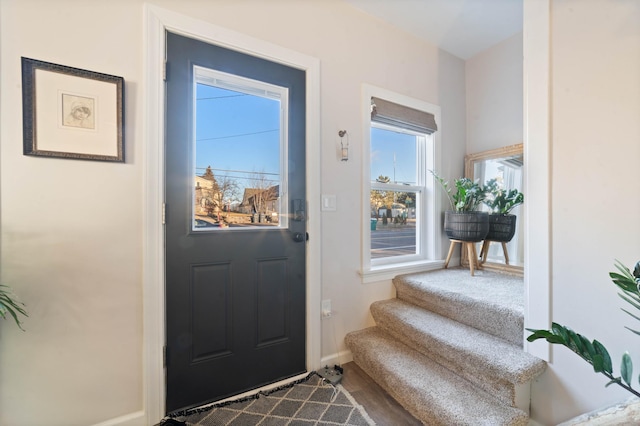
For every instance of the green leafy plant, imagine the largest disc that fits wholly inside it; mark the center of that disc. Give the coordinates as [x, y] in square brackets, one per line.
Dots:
[10, 304]
[499, 200]
[593, 351]
[629, 283]
[467, 196]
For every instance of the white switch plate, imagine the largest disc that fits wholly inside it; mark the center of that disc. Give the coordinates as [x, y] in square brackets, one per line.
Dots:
[326, 308]
[328, 203]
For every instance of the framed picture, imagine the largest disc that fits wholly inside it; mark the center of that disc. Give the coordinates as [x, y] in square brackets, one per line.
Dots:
[71, 113]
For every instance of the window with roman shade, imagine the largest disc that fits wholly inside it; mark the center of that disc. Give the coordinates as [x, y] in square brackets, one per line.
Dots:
[395, 115]
[400, 225]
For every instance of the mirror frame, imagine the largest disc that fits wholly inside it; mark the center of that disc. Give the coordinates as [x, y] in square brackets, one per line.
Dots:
[469, 162]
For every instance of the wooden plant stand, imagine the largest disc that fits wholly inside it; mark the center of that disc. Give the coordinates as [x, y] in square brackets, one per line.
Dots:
[471, 252]
[485, 250]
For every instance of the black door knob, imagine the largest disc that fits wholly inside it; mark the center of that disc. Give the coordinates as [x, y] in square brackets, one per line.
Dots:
[299, 237]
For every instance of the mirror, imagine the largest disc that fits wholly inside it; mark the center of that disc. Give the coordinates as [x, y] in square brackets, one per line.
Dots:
[506, 165]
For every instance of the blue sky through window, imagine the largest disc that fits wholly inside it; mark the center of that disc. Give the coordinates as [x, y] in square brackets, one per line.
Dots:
[237, 134]
[393, 154]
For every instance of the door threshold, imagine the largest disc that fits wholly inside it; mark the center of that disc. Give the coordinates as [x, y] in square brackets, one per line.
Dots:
[264, 388]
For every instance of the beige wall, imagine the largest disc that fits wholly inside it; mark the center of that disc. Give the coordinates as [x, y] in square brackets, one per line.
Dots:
[71, 230]
[494, 96]
[595, 152]
[73, 250]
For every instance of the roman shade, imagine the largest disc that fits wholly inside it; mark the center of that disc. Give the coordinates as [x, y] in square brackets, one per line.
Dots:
[396, 115]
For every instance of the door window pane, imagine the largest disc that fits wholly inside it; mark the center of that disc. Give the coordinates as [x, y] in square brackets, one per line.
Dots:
[240, 152]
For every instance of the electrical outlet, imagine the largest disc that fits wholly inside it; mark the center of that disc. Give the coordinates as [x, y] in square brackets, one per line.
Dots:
[326, 308]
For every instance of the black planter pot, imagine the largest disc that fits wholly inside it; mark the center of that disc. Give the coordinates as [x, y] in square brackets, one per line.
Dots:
[502, 227]
[466, 226]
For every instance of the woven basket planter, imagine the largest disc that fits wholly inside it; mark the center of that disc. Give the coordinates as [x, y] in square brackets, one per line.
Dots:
[466, 226]
[502, 227]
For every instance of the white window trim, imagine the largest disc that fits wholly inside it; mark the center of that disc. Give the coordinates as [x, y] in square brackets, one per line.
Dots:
[378, 271]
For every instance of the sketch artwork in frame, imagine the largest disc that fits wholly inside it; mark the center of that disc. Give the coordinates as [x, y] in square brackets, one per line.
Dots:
[71, 113]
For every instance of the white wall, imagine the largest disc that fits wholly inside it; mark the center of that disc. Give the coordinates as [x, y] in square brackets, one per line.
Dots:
[71, 230]
[494, 96]
[71, 239]
[595, 152]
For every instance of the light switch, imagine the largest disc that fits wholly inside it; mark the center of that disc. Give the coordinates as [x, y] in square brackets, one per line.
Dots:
[326, 308]
[328, 203]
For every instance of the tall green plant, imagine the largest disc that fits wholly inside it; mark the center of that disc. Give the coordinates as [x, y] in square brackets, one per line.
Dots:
[594, 352]
[500, 200]
[467, 196]
[10, 304]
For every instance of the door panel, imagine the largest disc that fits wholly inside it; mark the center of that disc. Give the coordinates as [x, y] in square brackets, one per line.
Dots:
[235, 284]
[272, 303]
[212, 321]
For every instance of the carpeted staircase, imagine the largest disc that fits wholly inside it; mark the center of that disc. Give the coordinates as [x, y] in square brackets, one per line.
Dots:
[449, 348]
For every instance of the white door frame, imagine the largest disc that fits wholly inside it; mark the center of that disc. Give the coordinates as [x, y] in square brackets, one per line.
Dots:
[157, 21]
[537, 171]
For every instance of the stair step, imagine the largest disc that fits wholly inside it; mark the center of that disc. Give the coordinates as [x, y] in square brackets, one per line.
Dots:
[429, 391]
[491, 363]
[488, 301]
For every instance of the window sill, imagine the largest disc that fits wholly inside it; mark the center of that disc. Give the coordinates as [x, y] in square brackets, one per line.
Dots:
[387, 272]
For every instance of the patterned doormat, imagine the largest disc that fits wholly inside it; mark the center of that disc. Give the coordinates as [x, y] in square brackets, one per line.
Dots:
[311, 401]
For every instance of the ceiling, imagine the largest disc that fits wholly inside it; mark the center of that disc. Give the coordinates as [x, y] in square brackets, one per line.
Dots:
[461, 27]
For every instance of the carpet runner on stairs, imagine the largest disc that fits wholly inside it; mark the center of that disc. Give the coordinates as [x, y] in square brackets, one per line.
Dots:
[444, 371]
[490, 301]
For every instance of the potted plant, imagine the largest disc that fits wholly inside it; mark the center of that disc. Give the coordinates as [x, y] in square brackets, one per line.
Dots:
[464, 222]
[10, 304]
[502, 224]
[594, 352]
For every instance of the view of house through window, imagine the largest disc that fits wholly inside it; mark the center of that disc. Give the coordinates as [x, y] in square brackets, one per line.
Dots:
[396, 191]
[240, 147]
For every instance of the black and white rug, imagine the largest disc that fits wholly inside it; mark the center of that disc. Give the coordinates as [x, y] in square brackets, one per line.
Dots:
[310, 401]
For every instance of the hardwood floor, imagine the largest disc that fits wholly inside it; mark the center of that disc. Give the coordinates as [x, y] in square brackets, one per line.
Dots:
[382, 408]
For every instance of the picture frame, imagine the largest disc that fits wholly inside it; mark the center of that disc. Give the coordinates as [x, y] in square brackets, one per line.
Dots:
[71, 113]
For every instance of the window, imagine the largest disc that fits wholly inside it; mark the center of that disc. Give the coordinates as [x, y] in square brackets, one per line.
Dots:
[399, 230]
[240, 154]
[396, 191]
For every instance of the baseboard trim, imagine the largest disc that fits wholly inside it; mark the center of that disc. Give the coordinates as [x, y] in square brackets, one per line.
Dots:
[337, 358]
[134, 419]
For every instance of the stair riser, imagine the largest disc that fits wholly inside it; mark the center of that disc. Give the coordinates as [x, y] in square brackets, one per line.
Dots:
[463, 365]
[506, 325]
[431, 393]
[449, 348]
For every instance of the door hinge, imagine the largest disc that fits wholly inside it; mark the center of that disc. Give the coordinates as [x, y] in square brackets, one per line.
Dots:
[164, 356]
[164, 213]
